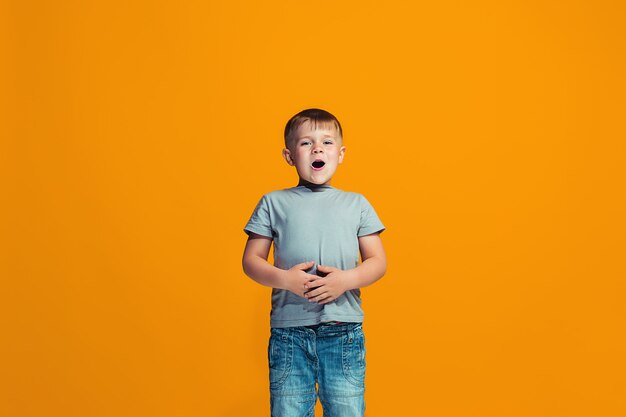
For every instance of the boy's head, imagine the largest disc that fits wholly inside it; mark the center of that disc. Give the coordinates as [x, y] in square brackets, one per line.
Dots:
[313, 144]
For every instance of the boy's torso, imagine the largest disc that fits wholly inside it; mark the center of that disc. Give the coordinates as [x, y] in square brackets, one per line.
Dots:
[321, 224]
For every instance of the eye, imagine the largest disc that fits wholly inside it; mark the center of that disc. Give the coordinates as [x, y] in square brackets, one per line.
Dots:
[305, 142]
[328, 142]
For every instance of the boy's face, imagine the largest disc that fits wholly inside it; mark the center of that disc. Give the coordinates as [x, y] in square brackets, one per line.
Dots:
[315, 152]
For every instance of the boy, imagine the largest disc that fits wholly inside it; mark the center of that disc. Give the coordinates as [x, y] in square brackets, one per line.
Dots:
[318, 232]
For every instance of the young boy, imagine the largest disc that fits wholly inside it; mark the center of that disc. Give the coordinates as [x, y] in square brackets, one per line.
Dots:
[318, 232]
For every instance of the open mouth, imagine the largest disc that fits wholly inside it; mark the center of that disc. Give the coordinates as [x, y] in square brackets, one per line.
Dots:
[318, 164]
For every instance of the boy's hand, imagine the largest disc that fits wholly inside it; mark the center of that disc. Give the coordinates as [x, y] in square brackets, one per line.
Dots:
[296, 278]
[323, 290]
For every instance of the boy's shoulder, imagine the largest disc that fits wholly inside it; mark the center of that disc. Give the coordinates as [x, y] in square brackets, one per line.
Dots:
[277, 194]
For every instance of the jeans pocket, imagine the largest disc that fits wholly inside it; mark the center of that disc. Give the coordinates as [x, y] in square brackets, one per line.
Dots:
[280, 357]
[353, 357]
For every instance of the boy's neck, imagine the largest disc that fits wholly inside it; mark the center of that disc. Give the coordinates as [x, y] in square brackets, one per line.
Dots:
[310, 185]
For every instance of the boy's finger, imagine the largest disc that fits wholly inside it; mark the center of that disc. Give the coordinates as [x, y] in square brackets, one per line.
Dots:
[304, 265]
[317, 296]
[327, 268]
[321, 298]
[314, 283]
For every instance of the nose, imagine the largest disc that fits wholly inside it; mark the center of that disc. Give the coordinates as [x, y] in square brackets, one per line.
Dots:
[317, 149]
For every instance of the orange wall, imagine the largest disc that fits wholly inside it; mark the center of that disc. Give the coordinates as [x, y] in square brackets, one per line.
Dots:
[138, 136]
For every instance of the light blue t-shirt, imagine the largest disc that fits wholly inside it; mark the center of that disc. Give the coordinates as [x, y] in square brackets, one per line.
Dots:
[314, 223]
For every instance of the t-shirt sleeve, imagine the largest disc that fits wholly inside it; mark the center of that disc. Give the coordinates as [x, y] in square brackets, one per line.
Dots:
[370, 223]
[260, 221]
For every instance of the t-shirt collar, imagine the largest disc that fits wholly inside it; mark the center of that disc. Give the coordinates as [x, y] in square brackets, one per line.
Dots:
[316, 188]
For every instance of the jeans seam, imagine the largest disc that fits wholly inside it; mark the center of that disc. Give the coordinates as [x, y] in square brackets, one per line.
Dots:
[351, 358]
[277, 382]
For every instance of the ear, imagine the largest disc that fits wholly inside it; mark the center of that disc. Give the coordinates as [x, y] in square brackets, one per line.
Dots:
[342, 152]
[287, 156]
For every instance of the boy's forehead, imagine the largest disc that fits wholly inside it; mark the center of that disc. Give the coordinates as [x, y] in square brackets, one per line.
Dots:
[324, 128]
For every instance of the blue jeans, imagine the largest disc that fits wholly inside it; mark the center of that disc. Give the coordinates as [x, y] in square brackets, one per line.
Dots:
[329, 355]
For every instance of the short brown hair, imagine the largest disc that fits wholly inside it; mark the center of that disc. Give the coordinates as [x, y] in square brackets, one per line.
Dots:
[315, 117]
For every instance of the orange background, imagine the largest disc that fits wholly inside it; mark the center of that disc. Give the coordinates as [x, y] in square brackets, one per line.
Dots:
[137, 138]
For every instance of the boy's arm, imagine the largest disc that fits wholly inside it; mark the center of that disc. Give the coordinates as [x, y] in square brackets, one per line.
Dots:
[255, 266]
[372, 268]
